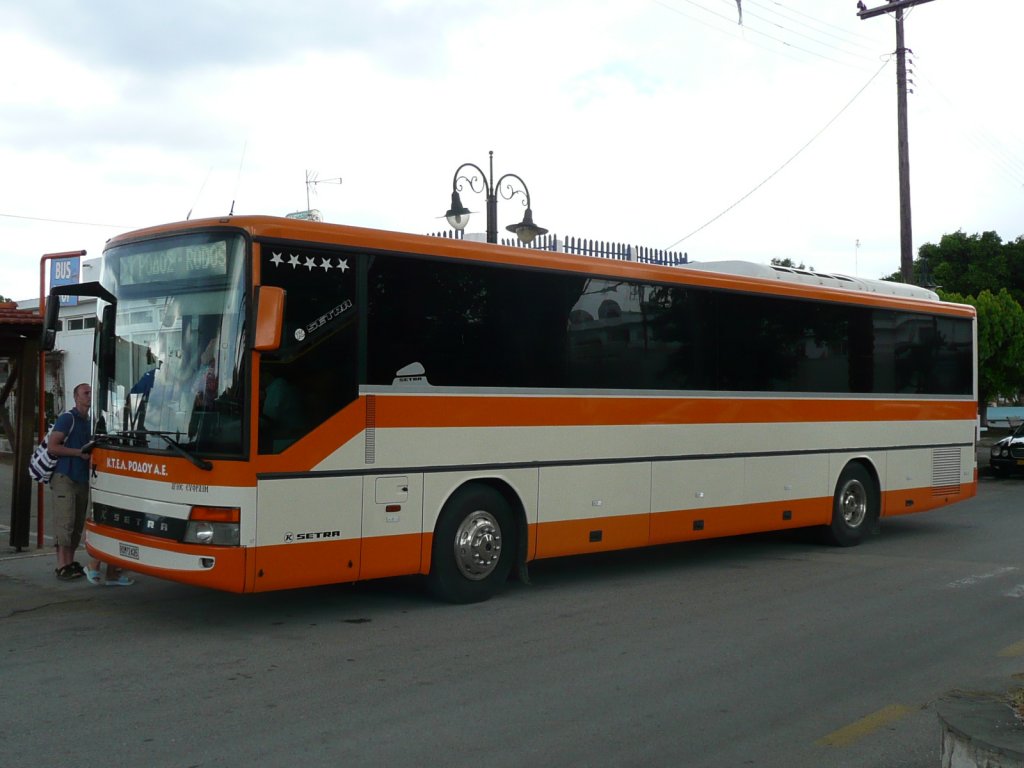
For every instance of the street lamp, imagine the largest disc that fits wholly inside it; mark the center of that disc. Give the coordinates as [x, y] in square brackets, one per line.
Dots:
[458, 214]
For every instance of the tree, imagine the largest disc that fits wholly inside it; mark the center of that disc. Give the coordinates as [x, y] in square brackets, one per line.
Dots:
[1000, 344]
[967, 264]
[4, 300]
[970, 264]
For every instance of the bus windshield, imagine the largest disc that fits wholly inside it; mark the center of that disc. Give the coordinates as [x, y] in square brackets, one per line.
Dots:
[170, 355]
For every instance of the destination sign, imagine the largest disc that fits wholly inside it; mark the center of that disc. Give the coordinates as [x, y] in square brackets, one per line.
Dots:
[185, 262]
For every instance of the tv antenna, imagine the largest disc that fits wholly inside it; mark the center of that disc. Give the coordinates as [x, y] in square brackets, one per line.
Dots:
[312, 181]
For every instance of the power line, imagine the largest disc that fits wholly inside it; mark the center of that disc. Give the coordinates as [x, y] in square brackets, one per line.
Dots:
[678, 12]
[66, 221]
[790, 160]
[807, 16]
[808, 26]
[1009, 163]
[756, 31]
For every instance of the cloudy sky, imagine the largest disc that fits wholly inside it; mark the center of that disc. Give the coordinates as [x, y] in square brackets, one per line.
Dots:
[662, 123]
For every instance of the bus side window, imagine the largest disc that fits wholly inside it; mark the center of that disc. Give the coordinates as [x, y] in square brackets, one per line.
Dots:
[312, 374]
[281, 415]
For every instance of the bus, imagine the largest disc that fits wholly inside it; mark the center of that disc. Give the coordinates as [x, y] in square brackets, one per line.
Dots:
[283, 403]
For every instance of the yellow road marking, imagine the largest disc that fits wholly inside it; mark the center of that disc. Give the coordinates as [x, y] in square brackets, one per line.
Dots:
[1011, 651]
[861, 728]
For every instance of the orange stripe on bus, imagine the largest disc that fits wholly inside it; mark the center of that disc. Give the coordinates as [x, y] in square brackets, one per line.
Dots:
[911, 500]
[598, 534]
[303, 456]
[390, 555]
[452, 411]
[573, 537]
[455, 411]
[286, 566]
[693, 524]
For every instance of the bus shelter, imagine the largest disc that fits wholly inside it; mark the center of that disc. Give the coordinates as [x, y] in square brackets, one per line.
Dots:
[19, 344]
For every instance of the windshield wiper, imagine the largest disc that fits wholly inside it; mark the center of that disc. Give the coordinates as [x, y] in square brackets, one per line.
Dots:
[175, 446]
[141, 434]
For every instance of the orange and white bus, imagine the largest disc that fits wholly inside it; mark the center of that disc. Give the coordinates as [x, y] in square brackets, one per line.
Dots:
[287, 403]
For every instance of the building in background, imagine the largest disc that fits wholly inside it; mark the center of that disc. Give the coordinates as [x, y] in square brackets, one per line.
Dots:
[70, 362]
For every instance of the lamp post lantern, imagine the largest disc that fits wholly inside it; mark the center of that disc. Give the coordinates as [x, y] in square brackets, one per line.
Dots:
[458, 214]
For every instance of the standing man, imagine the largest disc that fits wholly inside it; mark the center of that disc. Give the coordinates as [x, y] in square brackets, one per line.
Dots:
[70, 480]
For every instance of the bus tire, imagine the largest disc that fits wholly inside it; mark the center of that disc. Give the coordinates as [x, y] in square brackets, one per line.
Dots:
[474, 546]
[855, 507]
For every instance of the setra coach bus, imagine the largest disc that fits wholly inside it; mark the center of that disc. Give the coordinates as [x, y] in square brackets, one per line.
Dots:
[285, 403]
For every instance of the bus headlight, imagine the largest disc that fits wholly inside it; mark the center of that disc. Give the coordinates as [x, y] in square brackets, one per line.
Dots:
[217, 526]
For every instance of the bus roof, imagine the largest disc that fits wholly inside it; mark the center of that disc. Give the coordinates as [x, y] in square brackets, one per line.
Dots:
[812, 277]
[730, 275]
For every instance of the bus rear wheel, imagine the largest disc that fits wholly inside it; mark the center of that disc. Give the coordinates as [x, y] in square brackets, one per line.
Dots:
[855, 507]
[473, 547]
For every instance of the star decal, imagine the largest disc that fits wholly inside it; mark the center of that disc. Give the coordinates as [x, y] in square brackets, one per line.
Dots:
[296, 260]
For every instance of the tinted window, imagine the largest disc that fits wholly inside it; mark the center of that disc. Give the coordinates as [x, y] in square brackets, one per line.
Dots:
[313, 374]
[472, 325]
[468, 325]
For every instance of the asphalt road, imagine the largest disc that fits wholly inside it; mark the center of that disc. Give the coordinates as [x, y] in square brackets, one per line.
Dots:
[757, 651]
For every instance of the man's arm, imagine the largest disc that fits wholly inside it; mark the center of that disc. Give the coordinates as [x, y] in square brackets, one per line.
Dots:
[55, 445]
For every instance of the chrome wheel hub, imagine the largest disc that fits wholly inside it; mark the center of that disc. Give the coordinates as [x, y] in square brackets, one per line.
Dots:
[478, 545]
[854, 503]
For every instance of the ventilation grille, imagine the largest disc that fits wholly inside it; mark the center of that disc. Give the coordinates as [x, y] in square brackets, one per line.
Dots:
[946, 472]
[371, 429]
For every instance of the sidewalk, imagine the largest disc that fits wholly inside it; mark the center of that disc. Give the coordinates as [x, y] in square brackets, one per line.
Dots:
[27, 578]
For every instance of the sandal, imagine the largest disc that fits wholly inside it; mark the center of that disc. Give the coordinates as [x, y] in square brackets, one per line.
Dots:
[67, 573]
[120, 581]
[77, 568]
[94, 577]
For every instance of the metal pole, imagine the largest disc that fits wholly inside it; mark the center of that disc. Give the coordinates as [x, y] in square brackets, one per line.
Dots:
[492, 204]
[42, 381]
[906, 236]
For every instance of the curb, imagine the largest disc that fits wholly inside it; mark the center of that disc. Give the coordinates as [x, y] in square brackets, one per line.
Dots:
[980, 730]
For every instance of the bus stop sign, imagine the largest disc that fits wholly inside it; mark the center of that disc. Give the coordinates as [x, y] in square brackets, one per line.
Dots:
[66, 271]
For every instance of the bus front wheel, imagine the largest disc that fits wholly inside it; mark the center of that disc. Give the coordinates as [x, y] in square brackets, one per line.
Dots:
[855, 507]
[473, 547]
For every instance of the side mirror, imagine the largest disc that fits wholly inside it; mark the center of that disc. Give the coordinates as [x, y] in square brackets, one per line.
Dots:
[269, 317]
[49, 338]
[105, 340]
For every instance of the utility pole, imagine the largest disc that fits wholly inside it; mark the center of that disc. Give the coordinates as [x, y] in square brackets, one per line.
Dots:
[903, 143]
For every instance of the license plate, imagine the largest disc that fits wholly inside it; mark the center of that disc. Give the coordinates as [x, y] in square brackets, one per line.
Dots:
[129, 550]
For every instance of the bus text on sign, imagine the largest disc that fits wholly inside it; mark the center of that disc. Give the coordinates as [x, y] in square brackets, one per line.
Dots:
[66, 272]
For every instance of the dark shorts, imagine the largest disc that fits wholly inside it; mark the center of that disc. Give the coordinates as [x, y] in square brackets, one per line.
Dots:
[70, 502]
